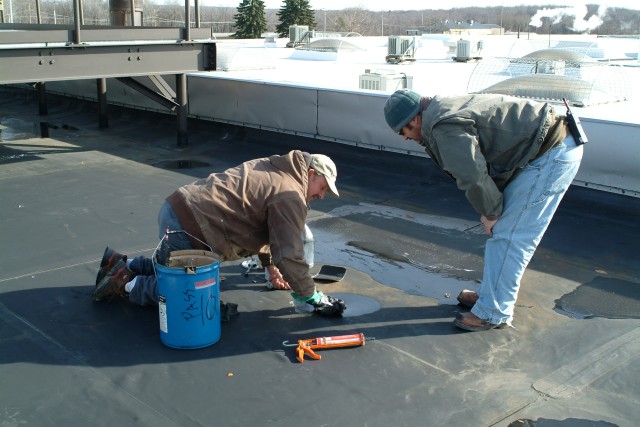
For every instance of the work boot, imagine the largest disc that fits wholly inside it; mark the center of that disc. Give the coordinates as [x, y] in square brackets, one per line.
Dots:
[113, 282]
[109, 259]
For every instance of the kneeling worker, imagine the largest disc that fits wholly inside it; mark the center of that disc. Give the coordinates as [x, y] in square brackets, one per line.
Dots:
[259, 207]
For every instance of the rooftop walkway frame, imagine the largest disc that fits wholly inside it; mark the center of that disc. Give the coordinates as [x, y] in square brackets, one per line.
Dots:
[41, 53]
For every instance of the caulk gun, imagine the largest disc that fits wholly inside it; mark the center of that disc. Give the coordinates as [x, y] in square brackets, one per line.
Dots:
[307, 346]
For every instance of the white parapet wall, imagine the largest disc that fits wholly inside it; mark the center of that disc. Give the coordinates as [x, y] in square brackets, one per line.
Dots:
[273, 89]
[610, 162]
[356, 118]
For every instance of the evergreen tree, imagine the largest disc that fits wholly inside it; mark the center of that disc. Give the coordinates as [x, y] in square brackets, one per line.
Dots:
[295, 12]
[250, 22]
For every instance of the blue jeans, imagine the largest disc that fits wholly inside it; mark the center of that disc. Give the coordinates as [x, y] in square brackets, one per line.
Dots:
[145, 292]
[530, 201]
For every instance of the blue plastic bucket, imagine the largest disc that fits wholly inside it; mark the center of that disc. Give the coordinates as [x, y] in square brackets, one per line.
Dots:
[189, 299]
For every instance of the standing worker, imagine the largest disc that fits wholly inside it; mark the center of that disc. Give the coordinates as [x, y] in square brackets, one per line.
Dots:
[258, 207]
[514, 159]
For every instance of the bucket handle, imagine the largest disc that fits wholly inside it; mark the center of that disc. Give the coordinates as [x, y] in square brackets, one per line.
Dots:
[166, 237]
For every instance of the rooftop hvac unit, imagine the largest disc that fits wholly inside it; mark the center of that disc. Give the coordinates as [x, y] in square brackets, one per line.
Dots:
[299, 35]
[401, 48]
[401, 45]
[296, 32]
[385, 81]
[466, 50]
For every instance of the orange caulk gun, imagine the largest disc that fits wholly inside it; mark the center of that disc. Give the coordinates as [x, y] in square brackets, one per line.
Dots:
[321, 343]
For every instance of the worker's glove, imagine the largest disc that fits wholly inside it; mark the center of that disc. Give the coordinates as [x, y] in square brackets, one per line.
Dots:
[322, 304]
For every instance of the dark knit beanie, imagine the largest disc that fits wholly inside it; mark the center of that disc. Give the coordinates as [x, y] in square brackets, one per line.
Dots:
[401, 107]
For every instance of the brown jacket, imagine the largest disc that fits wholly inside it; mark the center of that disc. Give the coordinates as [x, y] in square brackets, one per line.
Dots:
[258, 207]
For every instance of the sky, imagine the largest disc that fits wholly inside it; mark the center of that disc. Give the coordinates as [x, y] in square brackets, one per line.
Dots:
[377, 5]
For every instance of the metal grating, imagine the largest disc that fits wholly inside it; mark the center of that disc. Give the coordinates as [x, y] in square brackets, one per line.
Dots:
[331, 45]
[550, 75]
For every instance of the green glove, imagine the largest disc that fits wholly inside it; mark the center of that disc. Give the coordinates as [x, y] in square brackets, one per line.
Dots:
[313, 299]
[324, 305]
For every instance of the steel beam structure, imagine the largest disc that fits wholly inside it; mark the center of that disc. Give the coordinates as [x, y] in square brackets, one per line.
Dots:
[49, 60]
[25, 34]
[44, 53]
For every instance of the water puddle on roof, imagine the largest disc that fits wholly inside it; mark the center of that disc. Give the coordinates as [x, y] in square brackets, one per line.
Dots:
[182, 164]
[357, 305]
[386, 251]
[13, 129]
[13, 157]
[568, 422]
[602, 297]
[416, 253]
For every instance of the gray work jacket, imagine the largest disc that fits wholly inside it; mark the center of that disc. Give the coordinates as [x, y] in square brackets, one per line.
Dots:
[483, 140]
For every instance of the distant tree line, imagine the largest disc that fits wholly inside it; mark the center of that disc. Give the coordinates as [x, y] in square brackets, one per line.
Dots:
[251, 20]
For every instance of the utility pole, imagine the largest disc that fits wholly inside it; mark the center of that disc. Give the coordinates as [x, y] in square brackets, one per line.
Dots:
[10, 11]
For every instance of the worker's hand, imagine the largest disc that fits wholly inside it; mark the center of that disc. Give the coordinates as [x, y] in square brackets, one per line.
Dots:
[488, 224]
[276, 279]
[320, 303]
[329, 306]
